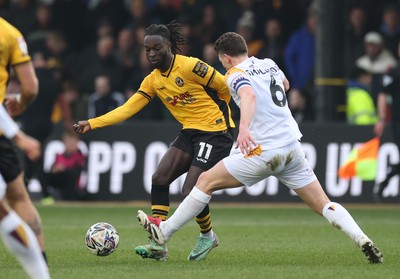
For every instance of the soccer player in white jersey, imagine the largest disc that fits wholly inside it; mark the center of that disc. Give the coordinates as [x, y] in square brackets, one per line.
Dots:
[268, 144]
[18, 237]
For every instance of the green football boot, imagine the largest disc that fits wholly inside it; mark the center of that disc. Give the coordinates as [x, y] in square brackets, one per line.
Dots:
[153, 251]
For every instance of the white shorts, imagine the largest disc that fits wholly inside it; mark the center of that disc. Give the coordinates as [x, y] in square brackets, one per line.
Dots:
[288, 164]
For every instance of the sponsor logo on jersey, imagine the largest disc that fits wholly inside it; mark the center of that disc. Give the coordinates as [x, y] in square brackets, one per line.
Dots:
[179, 81]
[200, 69]
[183, 99]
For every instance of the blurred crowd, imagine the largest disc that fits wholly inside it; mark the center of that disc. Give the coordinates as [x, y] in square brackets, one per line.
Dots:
[89, 54]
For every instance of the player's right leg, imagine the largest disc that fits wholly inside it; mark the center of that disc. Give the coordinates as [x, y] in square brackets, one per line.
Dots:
[21, 241]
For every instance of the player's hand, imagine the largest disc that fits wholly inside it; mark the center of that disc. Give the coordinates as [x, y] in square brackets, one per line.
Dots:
[245, 141]
[28, 144]
[13, 104]
[82, 127]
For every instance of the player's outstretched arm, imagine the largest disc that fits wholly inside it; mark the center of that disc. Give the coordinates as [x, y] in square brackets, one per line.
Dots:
[82, 127]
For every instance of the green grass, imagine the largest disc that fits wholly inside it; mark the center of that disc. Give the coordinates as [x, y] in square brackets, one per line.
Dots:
[255, 242]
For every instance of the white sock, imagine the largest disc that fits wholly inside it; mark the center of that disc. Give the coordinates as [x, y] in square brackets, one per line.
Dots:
[340, 218]
[21, 241]
[189, 208]
[209, 234]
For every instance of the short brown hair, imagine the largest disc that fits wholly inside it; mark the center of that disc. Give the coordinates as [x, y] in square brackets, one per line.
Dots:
[231, 43]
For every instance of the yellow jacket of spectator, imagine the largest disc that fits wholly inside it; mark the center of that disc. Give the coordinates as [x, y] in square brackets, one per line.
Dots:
[360, 107]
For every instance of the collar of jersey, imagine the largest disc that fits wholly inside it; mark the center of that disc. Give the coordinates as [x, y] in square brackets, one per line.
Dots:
[166, 73]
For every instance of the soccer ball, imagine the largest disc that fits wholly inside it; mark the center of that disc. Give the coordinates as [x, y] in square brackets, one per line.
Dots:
[102, 239]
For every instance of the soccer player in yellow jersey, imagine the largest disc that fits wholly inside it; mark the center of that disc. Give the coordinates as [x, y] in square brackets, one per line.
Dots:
[17, 236]
[197, 97]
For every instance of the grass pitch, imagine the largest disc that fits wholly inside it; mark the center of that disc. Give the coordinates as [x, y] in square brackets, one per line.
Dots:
[255, 242]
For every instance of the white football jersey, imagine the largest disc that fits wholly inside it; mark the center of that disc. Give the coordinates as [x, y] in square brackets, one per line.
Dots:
[273, 125]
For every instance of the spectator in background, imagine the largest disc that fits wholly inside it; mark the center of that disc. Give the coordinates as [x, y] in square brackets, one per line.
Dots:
[377, 60]
[390, 27]
[66, 171]
[60, 59]
[360, 106]
[111, 11]
[299, 56]
[356, 29]
[299, 59]
[237, 9]
[125, 53]
[104, 99]
[273, 44]
[44, 24]
[209, 26]
[139, 15]
[194, 45]
[102, 62]
[246, 28]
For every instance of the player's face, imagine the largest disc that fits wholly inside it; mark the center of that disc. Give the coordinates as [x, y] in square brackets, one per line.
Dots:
[158, 51]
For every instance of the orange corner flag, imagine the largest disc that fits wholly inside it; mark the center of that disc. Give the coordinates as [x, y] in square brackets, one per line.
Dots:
[362, 161]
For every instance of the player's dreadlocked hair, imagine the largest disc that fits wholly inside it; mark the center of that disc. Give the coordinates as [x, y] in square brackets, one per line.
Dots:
[171, 32]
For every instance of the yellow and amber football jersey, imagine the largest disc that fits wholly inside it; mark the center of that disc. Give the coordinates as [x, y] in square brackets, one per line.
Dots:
[193, 91]
[13, 51]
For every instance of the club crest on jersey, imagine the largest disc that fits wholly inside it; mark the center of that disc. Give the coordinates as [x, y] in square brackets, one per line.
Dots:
[200, 69]
[179, 81]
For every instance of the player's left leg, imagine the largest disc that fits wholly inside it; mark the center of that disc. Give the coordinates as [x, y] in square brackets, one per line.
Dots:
[19, 200]
[174, 163]
[314, 196]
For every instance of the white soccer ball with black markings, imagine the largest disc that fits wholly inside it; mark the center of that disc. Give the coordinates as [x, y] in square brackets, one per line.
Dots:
[102, 239]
